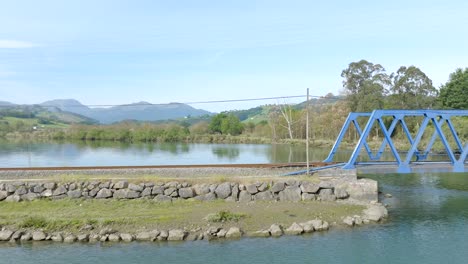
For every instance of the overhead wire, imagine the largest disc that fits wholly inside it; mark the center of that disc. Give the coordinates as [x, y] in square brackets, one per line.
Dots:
[187, 103]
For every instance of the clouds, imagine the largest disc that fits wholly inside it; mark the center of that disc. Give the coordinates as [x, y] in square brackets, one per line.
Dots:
[15, 44]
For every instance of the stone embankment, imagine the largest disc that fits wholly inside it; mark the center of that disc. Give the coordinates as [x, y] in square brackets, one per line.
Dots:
[362, 190]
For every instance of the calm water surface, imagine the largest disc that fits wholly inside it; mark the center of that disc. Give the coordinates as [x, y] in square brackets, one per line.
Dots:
[34, 154]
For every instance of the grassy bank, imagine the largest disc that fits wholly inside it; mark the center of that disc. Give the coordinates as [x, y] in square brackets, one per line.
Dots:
[135, 215]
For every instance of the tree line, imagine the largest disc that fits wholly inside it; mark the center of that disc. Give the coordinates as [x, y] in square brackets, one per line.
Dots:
[366, 86]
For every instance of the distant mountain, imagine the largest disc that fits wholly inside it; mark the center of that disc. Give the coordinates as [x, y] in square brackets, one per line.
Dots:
[5, 103]
[45, 114]
[141, 111]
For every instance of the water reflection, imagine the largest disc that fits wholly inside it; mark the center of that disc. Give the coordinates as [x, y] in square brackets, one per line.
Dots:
[230, 153]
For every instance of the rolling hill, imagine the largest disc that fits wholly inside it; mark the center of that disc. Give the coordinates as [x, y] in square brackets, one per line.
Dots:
[141, 111]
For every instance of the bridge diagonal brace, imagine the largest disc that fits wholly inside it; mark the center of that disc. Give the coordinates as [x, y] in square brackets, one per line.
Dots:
[404, 166]
[389, 140]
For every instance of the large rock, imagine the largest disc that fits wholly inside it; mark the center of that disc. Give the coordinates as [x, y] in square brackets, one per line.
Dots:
[235, 192]
[74, 194]
[126, 194]
[170, 192]
[26, 237]
[163, 235]
[143, 236]
[201, 189]
[245, 196]
[10, 188]
[375, 213]
[30, 196]
[276, 230]
[83, 238]
[104, 194]
[21, 190]
[57, 237]
[308, 227]
[17, 235]
[260, 233]
[59, 191]
[38, 189]
[3, 195]
[221, 233]
[114, 238]
[233, 232]
[327, 195]
[70, 238]
[223, 190]
[93, 192]
[13, 198]
[186, 193]
[38, 236]
[291, 193]
[319, 225]
[5, 235]
[46, 193]
[135, 187]
[308, 187]
[252, 188]
[50, 185]
[278, 187]
[264, 196]
[349, 221]
[294, 229]
[263, 187]
[126, 237]
[121, 185]
[146, 192]
[176, 235]
[157, 190]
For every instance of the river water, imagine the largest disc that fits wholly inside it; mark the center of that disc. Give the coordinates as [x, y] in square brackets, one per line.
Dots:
[428, 223]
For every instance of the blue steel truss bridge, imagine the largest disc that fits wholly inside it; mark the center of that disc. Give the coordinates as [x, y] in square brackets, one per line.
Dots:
[437, 123]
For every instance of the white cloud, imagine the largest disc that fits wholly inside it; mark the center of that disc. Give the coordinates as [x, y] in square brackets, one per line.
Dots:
[15, 44]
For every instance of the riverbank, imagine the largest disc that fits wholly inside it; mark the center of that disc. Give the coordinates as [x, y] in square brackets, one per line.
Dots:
[114, 210]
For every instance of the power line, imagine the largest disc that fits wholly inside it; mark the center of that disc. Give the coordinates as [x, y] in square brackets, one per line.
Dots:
[187, 103]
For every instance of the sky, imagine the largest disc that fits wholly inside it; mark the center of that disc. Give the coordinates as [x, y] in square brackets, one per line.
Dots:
[119, 52]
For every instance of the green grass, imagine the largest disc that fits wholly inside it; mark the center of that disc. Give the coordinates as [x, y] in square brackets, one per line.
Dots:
[134, 215]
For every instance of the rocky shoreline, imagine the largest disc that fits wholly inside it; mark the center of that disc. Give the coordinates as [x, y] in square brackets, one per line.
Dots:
[373, 213]
[362, 191]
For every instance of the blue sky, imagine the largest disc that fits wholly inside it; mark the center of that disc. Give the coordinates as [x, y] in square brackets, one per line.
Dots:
[116, 52]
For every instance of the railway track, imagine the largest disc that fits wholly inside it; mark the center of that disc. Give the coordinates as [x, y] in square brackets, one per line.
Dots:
[87, 168]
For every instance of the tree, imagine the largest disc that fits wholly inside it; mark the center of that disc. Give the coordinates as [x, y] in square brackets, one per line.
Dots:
[412, 89]
[454, 94]
[231, 125]
[215, 124]
[365, 85]
[226, 124]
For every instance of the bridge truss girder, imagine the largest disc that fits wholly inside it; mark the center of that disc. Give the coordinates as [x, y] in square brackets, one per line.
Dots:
[435, 117]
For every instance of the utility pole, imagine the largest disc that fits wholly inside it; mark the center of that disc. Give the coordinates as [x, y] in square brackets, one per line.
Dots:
[307, 131]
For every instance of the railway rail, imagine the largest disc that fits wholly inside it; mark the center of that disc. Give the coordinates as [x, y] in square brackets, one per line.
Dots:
[257, 165]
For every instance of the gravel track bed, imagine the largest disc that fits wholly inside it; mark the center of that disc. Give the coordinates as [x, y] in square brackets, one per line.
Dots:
[159, 172]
